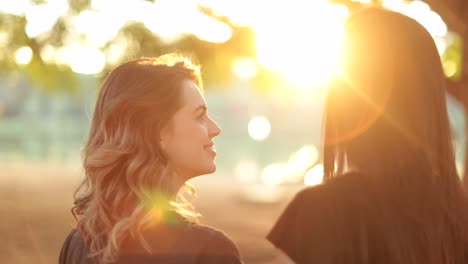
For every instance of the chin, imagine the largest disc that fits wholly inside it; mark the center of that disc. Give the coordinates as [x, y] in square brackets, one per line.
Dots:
[210, 169]
[203, 171]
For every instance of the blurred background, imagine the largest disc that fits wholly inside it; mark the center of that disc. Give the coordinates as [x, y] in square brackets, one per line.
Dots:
[265, 66]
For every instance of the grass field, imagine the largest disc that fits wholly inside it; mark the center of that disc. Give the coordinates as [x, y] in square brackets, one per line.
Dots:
[35, 200]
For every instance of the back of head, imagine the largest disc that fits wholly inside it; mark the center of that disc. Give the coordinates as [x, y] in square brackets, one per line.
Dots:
[386, 116]
[387, 111]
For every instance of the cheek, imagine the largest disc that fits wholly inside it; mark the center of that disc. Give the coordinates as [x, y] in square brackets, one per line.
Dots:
[187, 153]
[187, 139]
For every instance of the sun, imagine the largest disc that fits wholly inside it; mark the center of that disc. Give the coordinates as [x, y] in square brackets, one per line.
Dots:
[301, 41]
[296, 39]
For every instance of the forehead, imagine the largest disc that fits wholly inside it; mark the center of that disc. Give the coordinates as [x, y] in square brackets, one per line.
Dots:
[191, 94]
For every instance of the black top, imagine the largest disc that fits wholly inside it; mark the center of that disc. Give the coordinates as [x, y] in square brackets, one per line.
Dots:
[345, 221]
[323, 224]
[184, 242]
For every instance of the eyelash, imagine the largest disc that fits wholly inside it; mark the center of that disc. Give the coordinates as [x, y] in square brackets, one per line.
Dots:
[202, 115]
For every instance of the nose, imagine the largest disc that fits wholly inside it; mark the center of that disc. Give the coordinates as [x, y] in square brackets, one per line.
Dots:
[214, 129]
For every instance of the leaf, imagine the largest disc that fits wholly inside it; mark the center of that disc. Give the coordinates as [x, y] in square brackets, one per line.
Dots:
[452, 59]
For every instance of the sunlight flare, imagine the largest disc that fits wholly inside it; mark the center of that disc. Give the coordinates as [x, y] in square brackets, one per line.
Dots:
[259, 128]
[314, 176]
[82, 59]
[15, 7]
[244, 68]
[421, 12]
[300, 161]
[305, 42]
[210, 29]
[23, 55]
[41, 18]
[274, 174]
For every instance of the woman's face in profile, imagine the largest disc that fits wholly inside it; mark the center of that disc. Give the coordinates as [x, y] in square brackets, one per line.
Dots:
[187, 139]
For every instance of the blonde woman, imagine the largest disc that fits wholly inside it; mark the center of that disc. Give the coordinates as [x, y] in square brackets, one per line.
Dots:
[391, 193]
[150, 133]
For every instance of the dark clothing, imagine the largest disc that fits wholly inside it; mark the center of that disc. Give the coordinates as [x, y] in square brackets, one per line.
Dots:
[320, 221]
[347, 220]
[185, 242]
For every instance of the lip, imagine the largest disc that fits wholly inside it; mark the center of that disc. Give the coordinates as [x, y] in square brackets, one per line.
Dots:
[210, 147]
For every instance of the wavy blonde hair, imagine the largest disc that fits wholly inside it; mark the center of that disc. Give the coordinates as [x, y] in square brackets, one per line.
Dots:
[126, 171]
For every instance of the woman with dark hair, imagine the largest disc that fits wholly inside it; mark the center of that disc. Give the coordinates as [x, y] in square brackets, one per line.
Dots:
[391, 192]
[150, 133]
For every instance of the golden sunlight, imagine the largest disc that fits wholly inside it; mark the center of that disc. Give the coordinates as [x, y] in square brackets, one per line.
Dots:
[422, 13]
[299, 40]
[158, 205]
[16, 7]
[314, 176]
[157, 214]
[302, 41]
[259, 128]
[23, 55]
[300, 161]
[210, 29]
[37, 22]
[82, 59]
[244, 68]
[274, 174]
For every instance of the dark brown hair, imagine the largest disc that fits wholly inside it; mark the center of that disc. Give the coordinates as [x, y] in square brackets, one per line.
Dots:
[386, 117]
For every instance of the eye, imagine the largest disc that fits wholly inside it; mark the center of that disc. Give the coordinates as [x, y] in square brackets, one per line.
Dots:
[201, 115]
